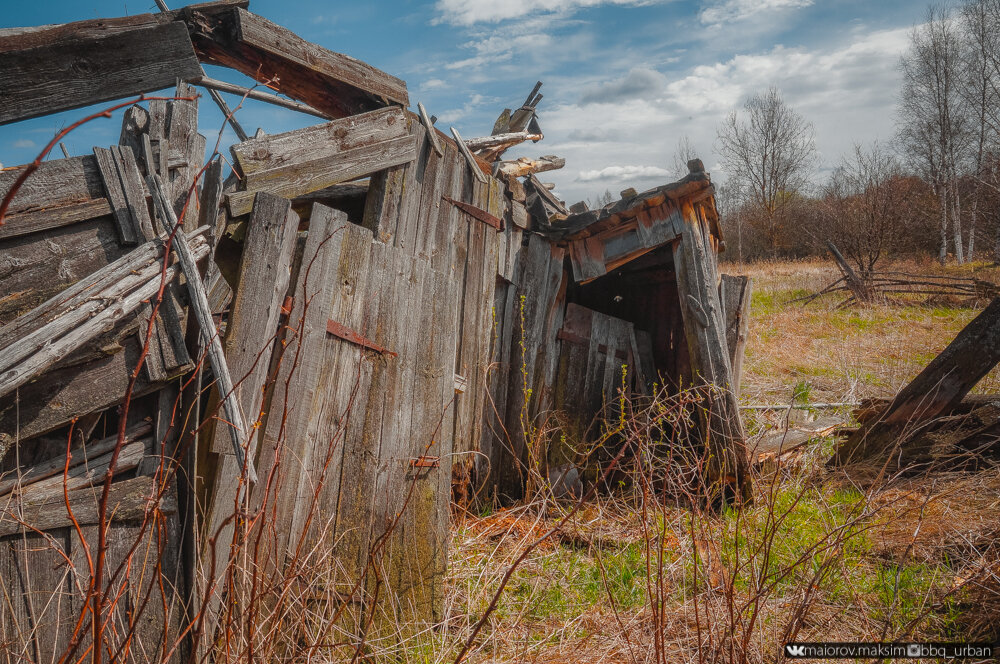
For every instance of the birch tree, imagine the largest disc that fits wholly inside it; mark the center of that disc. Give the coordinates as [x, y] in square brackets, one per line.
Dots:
[933, 121]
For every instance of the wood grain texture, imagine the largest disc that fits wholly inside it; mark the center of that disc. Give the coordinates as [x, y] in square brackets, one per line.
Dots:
[735, 295]
[332, 83]
[76, 71]
[314, 158]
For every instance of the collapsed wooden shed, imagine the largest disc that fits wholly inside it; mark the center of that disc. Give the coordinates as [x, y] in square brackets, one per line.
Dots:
[268, 379]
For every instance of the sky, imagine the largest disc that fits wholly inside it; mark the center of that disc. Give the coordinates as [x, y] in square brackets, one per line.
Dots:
[623, 80]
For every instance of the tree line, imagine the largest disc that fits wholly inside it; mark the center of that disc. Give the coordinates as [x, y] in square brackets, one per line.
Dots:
[933, 188]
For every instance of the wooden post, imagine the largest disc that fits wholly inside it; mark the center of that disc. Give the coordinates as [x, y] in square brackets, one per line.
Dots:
[854, 282]
[726, 467]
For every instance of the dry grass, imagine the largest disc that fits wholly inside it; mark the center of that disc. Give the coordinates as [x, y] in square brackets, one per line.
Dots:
[845, 354]
[816, 557]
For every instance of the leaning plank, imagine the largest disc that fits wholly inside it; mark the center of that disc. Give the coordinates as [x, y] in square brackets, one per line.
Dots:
[431, 132]
[305, 160]
[81, 310]
[79, 293]
[73, 72]
[735, 292]
[940, 387]
[128, 500]
[473, 164]
[206, 324]
[253, 318]
[331, 83]
[50, 353]
[719, 417]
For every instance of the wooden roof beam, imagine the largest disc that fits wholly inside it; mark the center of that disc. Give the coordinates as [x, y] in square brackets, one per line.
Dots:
[332, 83]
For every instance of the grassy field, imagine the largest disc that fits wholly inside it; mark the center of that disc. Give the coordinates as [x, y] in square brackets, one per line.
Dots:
[638, 578]
[845, 354]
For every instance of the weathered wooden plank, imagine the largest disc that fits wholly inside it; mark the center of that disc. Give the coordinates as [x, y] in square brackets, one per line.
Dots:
[50, 467]
[61, 182]
[697, 288]
[74, 72]
[16, 225]
[431, 132]
[332, 83]
[410, 196]
[186, 153]
[734, 295]
[59, 342]
[433, 179]
[444, 224]
[300, 177]
[336, 395]
[940, 387]
[66, 392]
[477, 172]
[291, 407]
[128, 231]
[253, 317]
[362, 438]
[36, 617]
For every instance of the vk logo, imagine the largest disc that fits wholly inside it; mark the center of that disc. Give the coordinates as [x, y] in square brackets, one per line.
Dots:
[795, 651]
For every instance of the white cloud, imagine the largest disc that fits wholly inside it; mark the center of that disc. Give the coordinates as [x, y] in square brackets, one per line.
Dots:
[623, 174]
[433, 84]
[469, 12]
[24, 144]
[847, 91]
[724, 11]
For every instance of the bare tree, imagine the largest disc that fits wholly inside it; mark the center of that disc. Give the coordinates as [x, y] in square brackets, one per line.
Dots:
[867, 206]
[981, 92]
[933, 121]
[767, 152]
[683, 153]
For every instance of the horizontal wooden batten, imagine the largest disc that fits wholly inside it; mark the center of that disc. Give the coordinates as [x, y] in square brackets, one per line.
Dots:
[306, 160]
[74, 71]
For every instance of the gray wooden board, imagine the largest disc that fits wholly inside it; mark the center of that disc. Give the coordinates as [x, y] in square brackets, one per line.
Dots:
[355, 506]
[336, 392]
[253, 317]
[292, 405]
[409, 208]
[74, 73]
[319, 174]
[60, 182]
[443, 251]
[734, 294]
[419, 546]
[36, 267]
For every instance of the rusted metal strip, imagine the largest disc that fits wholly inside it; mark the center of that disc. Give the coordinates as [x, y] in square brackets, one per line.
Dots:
[565, 335]
[425, 462]
[347, 334]
[478, 213]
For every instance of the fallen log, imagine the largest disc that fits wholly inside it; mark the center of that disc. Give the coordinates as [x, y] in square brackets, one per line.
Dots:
[526, 166]
[941, 386]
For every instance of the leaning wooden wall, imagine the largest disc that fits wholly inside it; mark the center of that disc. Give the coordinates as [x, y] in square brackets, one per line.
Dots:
[381, 373]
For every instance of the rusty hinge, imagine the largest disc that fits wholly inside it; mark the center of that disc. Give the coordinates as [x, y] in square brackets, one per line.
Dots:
[480, 214]
[286, 306]
[347, 334]
[425, 462]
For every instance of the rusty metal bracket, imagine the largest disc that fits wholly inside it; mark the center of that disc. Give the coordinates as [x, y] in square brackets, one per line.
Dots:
[478, 213]
[286, 306]
[425, 462]
[347, 334]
